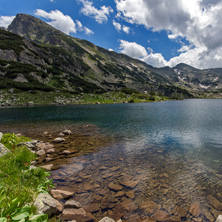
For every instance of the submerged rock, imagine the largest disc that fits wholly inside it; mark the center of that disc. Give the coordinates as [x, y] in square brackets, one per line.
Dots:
[114, 186]
[72, 204]
[195, 209]
[61, 194]
[214, 202]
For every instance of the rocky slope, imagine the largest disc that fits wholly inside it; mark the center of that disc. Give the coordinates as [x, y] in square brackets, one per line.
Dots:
[40, 57]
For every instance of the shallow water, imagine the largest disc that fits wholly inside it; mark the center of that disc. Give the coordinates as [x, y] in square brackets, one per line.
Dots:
[169, 153]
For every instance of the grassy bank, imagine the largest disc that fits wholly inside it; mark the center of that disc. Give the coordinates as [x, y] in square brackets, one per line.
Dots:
[20, 182]
[17, 98]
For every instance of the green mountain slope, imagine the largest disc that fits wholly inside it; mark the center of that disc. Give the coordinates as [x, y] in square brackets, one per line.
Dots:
[36, 56]
[79, 66]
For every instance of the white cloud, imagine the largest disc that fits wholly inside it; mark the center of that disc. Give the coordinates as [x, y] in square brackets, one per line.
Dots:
[139, 52]
[63, 22]
[58, 20]
[5, 21]
[155, 59]
[88, 31]
[51, 0]
[132, 49]
[126, 29]
[79, 25]
[111, 50]
[198, 21]
[101, 15]
[120, 27]
[117, 25]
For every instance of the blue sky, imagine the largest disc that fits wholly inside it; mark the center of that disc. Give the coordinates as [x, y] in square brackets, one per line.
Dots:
[161, 33]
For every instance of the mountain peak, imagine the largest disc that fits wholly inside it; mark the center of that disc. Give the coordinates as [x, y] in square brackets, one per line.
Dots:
[33, 29]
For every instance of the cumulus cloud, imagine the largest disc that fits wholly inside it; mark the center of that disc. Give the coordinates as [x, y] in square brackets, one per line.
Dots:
[132, 49]
[117, 25]
[120, 27]
[58, 20]
[198, 21]
[88, 31]
[137, 51]
[100, 15]
[126, 29]
[5, 21]
[63, 22]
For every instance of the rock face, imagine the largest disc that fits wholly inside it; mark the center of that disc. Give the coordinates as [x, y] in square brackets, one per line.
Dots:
[47, 204]
[3, 150]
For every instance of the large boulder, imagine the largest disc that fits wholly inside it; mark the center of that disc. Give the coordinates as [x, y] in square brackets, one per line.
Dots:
[3, 150]
[48, 205]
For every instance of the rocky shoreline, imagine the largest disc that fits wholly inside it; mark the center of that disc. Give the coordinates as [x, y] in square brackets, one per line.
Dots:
[117, 198]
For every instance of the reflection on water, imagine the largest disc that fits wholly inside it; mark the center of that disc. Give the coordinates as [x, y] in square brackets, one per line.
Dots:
[158, 162]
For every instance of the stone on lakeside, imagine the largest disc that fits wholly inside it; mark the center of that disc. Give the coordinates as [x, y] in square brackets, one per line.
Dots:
[58, 140]
[47, 204]
[47, 167]
[50, 150]
[219, 218]
[66, 152]
[40, 152]
[107, 219]
[67, 132]
[3, 150]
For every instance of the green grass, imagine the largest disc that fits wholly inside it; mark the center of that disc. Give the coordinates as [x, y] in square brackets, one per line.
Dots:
[20, 183]
[44, 98]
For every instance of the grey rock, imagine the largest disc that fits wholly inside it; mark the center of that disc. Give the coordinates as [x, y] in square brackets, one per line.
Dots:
[58, 140]
[47, 167]
[47, 204]
[107, 219]
[67, 132]
[40, 152]
[1, 134]
[219, 218]
[3, 150]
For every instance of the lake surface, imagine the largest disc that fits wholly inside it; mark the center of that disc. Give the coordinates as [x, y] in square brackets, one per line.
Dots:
[164, 163]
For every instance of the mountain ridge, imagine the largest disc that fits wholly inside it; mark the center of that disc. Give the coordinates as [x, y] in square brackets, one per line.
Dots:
[68, 63]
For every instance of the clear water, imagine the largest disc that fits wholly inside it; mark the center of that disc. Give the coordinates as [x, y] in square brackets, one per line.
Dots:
[180, 138]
